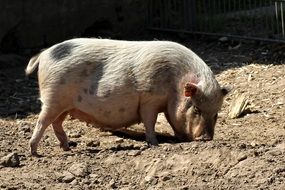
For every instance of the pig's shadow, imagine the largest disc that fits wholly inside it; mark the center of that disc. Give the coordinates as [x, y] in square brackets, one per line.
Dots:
[140, 136]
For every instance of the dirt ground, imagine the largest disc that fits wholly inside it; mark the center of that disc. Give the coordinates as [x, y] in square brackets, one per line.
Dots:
[246, 153]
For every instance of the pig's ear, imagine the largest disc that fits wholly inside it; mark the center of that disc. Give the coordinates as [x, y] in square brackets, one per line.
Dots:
[225, 90]
[190, 89]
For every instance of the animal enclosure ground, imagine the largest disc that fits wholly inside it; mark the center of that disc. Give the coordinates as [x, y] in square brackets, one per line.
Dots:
[246, 153]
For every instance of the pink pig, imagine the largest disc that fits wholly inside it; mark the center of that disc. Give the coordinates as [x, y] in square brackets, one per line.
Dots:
[116, 84]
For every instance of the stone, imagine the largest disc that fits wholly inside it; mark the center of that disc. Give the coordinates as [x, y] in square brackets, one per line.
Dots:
[24, 128]
[241, 157]
[112, 184]
[11, 160]
[151, 179]
[119, 140]
[67, 177]
[76, 134]
[224, 39]
[134, 152]
[165, 178]
[92, 143]
[79, 169]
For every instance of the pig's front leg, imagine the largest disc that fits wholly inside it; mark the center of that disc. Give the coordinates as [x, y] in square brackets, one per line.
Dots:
[149, 116]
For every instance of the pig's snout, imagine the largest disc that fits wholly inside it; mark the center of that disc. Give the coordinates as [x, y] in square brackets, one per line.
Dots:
[203, 133]
[204, 137]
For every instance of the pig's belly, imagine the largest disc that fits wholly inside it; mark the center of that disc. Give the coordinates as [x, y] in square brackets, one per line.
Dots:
[112, 112]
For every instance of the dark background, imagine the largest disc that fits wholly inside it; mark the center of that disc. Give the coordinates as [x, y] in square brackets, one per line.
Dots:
[27, 26]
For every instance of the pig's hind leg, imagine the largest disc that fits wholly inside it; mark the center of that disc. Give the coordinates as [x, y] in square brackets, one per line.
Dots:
[59, 132]
[46, 117]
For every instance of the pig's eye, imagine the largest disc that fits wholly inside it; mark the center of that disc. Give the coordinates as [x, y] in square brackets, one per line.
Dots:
[196, 110]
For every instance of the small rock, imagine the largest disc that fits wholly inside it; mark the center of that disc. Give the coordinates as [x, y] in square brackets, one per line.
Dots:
[112, 184]
[92, 143]
[134, 152]
[119, 140]
[24, 128]
[166, 148]
[86, 181]
[151, 180]
[144, 147]
[67, 177]
[165, 178]
[279, 170]
[79, 170]
[241, 157]
[74, 134]
[184, 188]
[274, 152]
[93, 175]
[242, 146]
[253, 144]
[238, 106]
[11, 160]
[74, 182]
[223, 39]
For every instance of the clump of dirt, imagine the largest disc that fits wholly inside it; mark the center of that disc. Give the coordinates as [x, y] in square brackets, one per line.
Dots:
[247, 152]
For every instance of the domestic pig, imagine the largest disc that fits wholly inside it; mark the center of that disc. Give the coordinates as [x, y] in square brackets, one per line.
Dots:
[115, 84]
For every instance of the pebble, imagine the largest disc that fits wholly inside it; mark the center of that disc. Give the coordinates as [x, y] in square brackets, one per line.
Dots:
[74, 182]
[134, 152]
[274, 152]
[86, 181]
[242, 146]
[279, 170]
[151, 179]
[79, 170]
[253, 144]
[92, 143]
[74, 134]
[24, 128]
[119, 140]
[93, 175]
[241, 157]
[165, 178]
[67, 177]
[166, 148]
[11, 160]
[111, 184]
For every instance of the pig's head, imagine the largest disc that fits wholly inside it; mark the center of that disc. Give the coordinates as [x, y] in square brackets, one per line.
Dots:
[198, 111]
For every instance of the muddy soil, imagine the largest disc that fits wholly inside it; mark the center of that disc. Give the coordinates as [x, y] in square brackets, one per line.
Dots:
[246, 153]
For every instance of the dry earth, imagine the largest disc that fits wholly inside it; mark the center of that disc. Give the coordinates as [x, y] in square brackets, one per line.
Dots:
[247, 152]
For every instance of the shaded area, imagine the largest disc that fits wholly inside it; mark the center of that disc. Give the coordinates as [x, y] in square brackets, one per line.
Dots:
[140, 136]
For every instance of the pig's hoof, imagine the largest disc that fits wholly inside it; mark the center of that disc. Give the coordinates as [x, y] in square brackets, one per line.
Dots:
[152, 144]
[65, 148]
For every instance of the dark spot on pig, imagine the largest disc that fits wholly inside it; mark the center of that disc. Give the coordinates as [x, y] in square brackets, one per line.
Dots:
[107, 113]
[84, 73]
[62, 81]
[85, 90]
[62, 50]
[122, 110]
[92, 89]
[79, 98]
